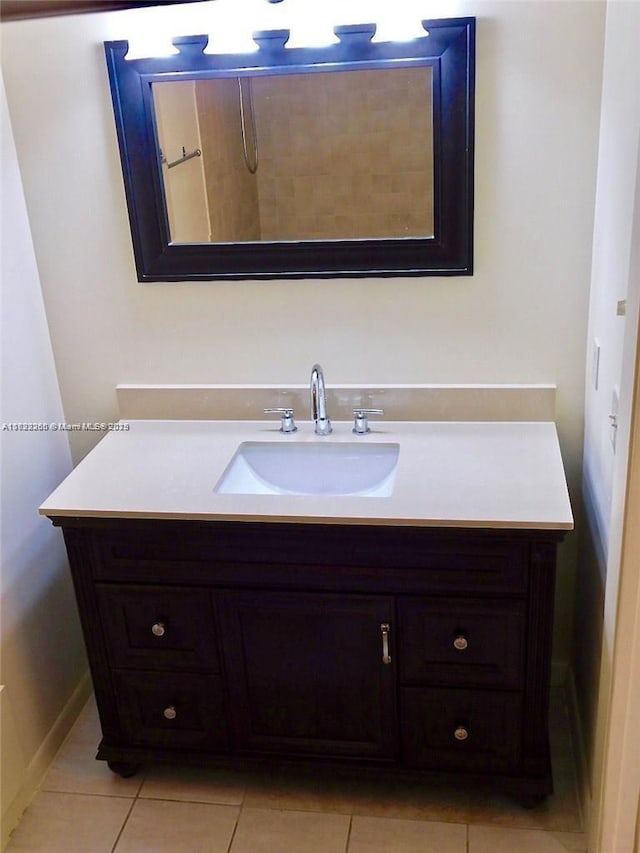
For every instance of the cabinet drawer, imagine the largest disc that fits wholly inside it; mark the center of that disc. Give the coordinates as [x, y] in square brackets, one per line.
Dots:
[475, 731]
[171, 709]
[158, 627]
[348, 558]
[466, 642]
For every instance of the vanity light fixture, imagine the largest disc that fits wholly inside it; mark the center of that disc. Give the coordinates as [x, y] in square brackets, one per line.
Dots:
[400, 29]
[145, 48]
[232, 42]
[230, 25]
[402, 22]
[307, 27]
[310, 34]
[148, 37]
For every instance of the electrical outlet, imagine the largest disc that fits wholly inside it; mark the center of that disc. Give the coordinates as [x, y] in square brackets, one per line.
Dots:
[595, 363]
[613, 417]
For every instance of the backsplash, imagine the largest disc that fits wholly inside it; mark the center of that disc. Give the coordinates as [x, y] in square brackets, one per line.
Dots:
[400, 402]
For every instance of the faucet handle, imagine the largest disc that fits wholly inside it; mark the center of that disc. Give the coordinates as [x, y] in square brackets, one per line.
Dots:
[287, 422]
[360, 422]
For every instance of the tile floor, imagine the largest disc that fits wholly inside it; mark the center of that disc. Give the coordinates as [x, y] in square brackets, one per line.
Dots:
[83, 808]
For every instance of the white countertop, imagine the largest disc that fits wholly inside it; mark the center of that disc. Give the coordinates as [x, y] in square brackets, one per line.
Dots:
[451, 474]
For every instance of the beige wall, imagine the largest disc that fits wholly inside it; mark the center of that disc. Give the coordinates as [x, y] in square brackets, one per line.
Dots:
[184, 184]
[521, 317]
[41, 652]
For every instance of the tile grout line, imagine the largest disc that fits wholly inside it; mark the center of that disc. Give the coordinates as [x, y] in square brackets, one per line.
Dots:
[346, 849]
[145, 775]
[133, 802]
[101, 794]
[241, 808]
[124, 823]
[235, 829]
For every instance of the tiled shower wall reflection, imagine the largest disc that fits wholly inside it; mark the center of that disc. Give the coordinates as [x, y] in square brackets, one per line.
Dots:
[231, 190]
[345, 155]
[340, 156]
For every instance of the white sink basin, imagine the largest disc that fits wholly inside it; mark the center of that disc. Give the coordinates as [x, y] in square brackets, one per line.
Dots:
[295, 468]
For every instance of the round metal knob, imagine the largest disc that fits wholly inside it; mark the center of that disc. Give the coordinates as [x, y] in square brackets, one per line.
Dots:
[158, 630]
[461, 733]
[460, 643]
[170, 713]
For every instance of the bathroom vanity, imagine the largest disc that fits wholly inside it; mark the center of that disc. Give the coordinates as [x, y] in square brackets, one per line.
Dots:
[410, 631]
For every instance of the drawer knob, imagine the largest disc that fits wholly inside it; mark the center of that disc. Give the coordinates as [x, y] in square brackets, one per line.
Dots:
[461, 733]
[460, 643]
[170, 713]
[158, 630]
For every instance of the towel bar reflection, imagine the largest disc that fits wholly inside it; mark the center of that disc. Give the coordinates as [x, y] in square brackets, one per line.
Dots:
[196, 153]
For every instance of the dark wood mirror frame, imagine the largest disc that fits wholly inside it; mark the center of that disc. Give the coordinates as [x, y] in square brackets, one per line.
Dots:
[450, 51]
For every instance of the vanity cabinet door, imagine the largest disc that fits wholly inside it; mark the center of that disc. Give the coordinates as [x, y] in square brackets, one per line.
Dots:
[310, 673]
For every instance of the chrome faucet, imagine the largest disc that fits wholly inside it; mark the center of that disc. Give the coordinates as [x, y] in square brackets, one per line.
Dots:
[319, 402]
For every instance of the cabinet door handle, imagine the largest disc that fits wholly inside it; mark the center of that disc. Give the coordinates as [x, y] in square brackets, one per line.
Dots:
[460, 643]
[384, 629]
[158, 629]
[461, 733]
[170, 713]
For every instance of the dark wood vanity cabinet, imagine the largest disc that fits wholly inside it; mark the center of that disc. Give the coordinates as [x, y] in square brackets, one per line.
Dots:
[420, 648]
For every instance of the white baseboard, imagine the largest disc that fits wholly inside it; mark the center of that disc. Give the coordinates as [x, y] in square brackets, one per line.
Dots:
[40, 763]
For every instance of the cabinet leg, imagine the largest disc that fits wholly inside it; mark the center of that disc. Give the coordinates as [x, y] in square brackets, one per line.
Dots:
[123, 768]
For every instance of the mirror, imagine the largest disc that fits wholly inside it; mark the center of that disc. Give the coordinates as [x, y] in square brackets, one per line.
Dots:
[298, 156]
[350, 160]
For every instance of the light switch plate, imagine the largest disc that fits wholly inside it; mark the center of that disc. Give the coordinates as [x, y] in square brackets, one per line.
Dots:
[595, 363]
[613, 417]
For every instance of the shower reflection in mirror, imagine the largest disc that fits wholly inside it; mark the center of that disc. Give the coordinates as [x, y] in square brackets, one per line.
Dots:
[252, 165]
[342, 156]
